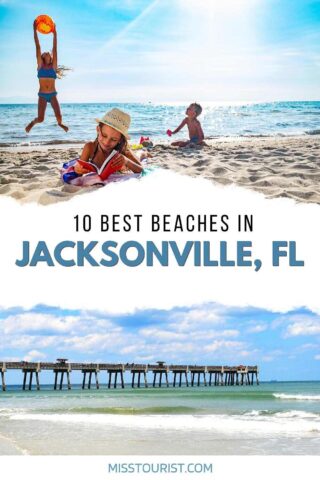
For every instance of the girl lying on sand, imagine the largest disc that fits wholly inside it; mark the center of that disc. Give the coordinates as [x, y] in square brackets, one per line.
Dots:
[107, 154]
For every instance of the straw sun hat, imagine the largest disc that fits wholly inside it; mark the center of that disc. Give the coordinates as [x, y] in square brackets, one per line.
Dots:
[118, 120]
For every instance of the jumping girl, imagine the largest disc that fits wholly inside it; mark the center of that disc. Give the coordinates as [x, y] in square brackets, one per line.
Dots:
[48, 71]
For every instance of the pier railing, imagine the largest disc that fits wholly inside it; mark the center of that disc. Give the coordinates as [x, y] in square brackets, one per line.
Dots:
[190, 375]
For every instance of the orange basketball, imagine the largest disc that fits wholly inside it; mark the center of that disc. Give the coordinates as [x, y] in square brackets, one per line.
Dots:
[44, 24]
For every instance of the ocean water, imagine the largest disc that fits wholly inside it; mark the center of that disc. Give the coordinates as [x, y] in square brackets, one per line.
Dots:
[153, 120]
[272, 418]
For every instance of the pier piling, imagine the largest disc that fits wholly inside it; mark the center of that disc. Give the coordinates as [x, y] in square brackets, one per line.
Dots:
[115, 369]
[139, 370]
[254, 370]
[90, 369]
[180, 371]
[61, 367]
[29, 369]
[158, 370]
[218, 372]
[198, 370]
[3, 381]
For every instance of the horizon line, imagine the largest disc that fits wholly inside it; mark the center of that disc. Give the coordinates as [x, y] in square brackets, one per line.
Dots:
[167, 102]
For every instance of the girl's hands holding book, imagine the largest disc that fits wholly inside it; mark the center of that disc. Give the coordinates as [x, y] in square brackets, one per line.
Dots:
[80, 170]
[118, 161]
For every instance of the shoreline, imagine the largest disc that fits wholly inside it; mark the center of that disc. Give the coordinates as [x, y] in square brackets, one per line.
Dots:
[163, 142]
[270, 419]
[275, 166]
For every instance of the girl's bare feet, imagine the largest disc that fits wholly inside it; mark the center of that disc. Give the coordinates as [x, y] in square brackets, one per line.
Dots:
[29, 126]
[65, 128]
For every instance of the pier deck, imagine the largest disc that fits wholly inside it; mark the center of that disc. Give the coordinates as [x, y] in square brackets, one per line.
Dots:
[193, 375]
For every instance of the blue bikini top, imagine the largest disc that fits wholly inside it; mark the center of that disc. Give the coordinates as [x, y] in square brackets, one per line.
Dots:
[44, 72]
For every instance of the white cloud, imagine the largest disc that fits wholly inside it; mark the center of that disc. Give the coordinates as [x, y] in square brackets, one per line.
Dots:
[205, 335]
[303, 326]
[130, 349]
[258, 328]
[168, 351]
[34, 355]
[110, 341]
[161, 334]
[25, 322]
[92, 333]
[27, 341]
[174, 349]
[202, 315]
[207, 317]
[224, 345]
[248, 353]
[145, 358]
[21, 342]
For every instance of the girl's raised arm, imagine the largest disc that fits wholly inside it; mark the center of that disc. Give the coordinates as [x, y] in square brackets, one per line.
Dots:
[55, 49]
[37, 43]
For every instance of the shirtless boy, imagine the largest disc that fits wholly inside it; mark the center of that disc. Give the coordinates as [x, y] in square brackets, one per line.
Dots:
[195, 131]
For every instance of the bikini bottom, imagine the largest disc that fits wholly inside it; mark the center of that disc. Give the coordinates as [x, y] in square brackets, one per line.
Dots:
[47, 96]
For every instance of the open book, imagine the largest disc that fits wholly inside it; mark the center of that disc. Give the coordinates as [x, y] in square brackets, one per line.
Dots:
[106, 169]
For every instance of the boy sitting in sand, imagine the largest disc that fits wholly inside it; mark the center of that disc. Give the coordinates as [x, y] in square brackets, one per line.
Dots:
[195, 131]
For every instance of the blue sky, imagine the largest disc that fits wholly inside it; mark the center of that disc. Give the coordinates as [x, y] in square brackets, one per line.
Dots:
[285, 346]
[167, 50]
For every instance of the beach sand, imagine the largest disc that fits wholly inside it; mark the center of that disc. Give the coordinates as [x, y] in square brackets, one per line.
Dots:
[276, 166]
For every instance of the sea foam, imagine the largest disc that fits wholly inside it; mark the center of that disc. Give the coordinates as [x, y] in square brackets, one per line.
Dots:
[286, 396]
[284, 424]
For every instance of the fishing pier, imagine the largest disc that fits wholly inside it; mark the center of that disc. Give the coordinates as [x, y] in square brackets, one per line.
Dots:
[158, 374]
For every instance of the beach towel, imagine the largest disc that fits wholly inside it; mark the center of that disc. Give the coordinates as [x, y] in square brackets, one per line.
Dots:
[68, 175]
